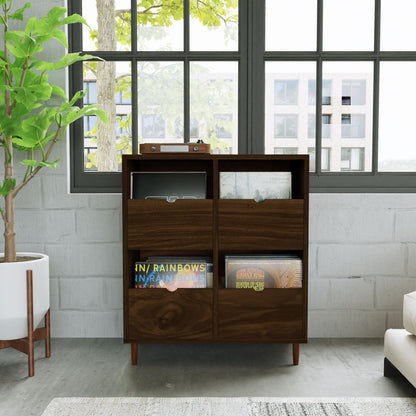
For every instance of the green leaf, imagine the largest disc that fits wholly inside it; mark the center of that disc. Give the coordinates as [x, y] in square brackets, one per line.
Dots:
[60, 36]
[7, 187]
[58, 91]
[34, 163]
[74, 18]
[18, 14]
[18, 52]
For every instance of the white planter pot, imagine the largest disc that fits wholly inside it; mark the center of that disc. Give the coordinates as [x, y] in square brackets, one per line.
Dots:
[13, 301]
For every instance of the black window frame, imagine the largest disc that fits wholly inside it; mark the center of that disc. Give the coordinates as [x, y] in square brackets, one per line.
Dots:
[252, 57]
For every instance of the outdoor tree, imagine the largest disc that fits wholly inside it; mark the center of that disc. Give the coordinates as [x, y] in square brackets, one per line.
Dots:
[153, 17]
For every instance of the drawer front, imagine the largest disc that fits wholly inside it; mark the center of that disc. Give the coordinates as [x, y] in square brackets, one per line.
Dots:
[267, 225]
[160, 225]
[162, 316]
[273, 315]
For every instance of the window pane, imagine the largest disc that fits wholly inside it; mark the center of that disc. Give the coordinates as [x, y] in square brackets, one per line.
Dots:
[160, 26]
[214, 104]
[398, 29]
[348, 25]
[347, 122]
[109, 85]
[397, 136]
[289, 112]
[160, 101]
[110, 23]
[213, 25]
[291, 25]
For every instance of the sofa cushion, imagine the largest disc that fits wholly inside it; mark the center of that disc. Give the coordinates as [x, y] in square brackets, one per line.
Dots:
[409, 312]
[400, 350]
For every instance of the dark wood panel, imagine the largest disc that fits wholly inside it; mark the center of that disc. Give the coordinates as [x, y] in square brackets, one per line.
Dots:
[269, 225]
[272, 315]
[162, 316]
[156, 224]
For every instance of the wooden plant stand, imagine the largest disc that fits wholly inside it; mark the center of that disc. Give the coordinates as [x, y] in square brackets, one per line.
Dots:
[27, 345]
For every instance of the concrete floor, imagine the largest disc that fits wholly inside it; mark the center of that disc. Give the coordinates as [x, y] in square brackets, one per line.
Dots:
[102, 367]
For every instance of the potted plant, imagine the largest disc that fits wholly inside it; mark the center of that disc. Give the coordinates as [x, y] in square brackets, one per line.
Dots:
[28, 124]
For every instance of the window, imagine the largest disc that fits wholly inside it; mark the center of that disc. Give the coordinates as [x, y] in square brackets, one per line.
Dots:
[326, 126]
[286, 92]
[353, 126]
[353, 92]
[285, 150]
[326, 92]
[251, 77]
[352, 159]
[286, 126]
[326, 156]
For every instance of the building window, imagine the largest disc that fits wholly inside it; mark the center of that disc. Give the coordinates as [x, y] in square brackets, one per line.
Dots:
[168, 73]
[352, 159]
[353, 126]
[326, 91]
[285, 150]
[326, 126]
[325, 159]
[285, 126]
[353, 92]
[286, 92]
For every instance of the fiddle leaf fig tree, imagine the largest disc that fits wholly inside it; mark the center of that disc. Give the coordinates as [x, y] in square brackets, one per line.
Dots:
[27, 123]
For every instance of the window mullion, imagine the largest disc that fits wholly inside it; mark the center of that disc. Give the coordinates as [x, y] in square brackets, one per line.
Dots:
[256, 78]
[376, 84]
[318, 109]
[186, 74]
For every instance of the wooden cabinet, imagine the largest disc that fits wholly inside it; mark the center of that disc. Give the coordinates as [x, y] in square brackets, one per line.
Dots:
[215, 227]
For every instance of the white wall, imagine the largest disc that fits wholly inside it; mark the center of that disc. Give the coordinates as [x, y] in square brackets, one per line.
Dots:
[362, 256]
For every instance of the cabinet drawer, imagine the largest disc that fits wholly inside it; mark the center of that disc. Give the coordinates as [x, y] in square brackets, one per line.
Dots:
[160, 225]
[268, 225]
[273, 315]
[160, 315]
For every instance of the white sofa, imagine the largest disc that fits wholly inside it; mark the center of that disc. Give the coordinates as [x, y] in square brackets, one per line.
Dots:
[400, 344]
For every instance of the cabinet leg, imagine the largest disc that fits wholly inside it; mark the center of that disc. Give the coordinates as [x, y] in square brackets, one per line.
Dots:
[134, 351]
[295, 354]
[48, 334]
[30, 340]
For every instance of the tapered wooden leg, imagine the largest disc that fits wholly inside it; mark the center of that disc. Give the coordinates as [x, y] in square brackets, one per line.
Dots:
[295, 354]
[30, 341]
[134, 352]
[48, 334]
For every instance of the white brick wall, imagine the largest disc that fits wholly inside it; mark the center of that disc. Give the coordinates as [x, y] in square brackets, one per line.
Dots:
[362, 256]
[362, 262]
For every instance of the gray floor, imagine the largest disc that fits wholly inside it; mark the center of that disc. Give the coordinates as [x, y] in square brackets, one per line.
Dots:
[101, 367]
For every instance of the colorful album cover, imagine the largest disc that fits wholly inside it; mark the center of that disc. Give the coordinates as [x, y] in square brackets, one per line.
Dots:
[260, 273]
[187, 259]
[170, 276]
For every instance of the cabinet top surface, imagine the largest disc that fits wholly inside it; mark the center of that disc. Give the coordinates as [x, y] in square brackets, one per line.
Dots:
[196, 156]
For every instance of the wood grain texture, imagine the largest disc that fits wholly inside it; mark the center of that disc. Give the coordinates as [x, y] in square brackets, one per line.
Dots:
[271, 315]
[268, 225]
[163, 316]
[157, 224]
[215, 227]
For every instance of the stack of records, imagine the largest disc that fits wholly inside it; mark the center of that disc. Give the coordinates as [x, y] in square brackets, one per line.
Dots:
[263, 272]
[172, 273]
